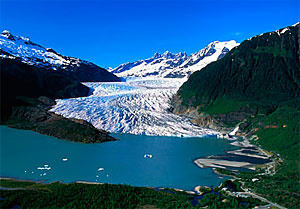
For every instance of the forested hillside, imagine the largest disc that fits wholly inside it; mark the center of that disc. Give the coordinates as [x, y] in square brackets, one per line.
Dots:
[256, 86]
[264, 69]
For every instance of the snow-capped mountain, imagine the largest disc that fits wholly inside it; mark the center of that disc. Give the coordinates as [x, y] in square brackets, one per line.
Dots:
[21, 48]
[169, 65]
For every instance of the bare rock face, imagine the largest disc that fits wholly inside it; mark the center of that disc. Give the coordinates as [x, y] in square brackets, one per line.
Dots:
[46, 100]
[217, 121]
[196, 117]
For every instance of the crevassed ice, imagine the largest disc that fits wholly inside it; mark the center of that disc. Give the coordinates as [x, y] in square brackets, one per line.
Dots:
[137, 106]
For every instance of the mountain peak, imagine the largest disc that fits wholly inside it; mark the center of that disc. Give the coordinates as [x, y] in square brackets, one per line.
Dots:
[13, 47]
[156, 55]
[168, 54]
[175, 65]
[5, 32]
[215, 43]
[8, 35]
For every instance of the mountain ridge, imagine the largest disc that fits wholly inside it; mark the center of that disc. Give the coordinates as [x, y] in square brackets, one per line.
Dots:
[22, 48]
[175, 65]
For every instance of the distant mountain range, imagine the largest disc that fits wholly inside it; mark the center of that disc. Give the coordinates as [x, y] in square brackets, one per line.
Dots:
[169, 65]
[21, 48]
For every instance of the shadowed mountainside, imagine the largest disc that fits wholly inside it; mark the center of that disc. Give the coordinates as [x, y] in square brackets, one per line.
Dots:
[28, 92]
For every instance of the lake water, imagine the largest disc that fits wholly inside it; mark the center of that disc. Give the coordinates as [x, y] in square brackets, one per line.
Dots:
[23, 152]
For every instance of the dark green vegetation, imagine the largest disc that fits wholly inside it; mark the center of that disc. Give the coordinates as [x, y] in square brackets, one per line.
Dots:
[256, 85]
[232, 185]
[76, 195]
[216, 201]
[28, 92]
[282, 188]
[279, 131]
[251, 72]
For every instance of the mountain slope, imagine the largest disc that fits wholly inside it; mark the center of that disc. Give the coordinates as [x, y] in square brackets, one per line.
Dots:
[21, 79]
[257, 87]
[169, 65]
[28, 92]
[264, 69]
[21, 48]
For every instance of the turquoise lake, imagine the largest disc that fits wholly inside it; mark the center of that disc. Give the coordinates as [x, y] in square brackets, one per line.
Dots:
[120, 162]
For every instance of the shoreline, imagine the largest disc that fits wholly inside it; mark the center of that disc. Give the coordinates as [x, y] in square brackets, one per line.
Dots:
[244, 145]
[240, 143]
[89, 182]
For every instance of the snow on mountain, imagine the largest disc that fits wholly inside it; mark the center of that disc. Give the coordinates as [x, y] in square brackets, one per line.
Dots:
[137, 106]
[31, 53]
[141, 105]
[21, 48]
[169, 65]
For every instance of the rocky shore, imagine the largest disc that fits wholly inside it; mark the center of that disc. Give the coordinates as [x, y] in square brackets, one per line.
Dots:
[34, 115]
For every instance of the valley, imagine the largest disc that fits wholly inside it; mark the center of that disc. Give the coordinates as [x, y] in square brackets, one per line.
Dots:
[172, 120]
[137, 106]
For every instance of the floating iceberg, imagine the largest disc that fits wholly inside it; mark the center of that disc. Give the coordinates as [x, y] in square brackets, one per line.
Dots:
[147, 156]
[45, 167]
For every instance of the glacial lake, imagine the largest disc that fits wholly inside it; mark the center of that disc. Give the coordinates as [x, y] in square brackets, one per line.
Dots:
[120, 162]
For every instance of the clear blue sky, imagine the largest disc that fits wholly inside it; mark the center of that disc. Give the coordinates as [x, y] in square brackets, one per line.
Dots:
[109, 33]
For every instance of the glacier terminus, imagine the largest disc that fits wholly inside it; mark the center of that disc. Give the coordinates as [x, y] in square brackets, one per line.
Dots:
[137, 106]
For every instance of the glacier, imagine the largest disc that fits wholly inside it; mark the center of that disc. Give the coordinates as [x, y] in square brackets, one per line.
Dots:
[137, 106]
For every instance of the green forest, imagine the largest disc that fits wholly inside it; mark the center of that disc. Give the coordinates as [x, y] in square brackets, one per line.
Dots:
[257, 85]
[29, 194]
